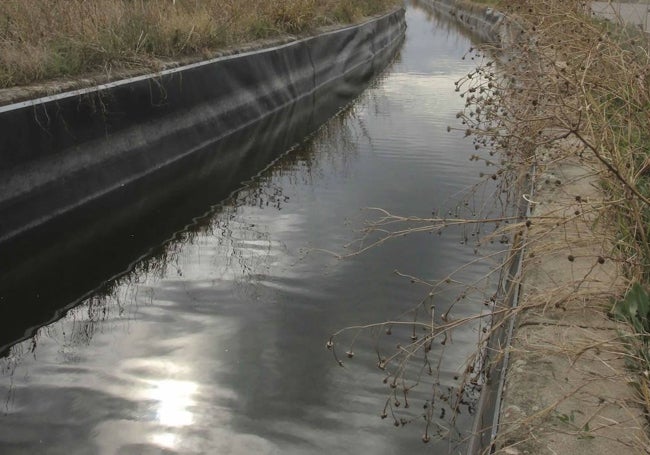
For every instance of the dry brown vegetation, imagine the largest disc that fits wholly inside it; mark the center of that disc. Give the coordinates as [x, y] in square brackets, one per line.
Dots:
[55, 38]
[562, 90]
[562, 76]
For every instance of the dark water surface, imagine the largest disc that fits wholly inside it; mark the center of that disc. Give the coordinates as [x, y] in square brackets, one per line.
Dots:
[216, 343]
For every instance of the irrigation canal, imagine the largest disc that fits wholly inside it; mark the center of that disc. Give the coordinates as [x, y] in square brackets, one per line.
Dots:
[215, 341]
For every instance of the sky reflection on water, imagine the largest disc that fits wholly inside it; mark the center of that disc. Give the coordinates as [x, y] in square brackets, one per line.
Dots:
[215, 344]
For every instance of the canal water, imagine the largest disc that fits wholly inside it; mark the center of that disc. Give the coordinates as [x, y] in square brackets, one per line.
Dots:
[216, 341]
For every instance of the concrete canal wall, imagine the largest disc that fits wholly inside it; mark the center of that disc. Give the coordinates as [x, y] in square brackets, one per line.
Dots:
[483, 21]
[64, 152]
[631, 13]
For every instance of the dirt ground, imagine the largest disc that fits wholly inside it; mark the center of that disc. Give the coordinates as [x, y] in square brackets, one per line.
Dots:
[568, 390]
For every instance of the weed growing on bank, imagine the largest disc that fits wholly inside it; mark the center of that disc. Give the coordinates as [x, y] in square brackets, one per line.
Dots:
[41, 40]
[561, 86]
[568, 77]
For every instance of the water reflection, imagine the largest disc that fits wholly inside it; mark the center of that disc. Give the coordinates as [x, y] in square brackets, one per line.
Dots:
[215, 343]
[174, 401]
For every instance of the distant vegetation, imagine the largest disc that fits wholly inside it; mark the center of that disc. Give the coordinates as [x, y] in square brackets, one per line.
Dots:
[42, 40]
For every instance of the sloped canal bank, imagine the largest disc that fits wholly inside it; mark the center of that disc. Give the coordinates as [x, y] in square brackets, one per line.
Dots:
[215, 342]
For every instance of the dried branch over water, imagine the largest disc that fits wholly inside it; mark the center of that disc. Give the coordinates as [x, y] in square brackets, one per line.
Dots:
[560, 87]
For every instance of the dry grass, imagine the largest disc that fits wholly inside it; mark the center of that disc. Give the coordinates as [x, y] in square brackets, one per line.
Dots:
[42, 40]
[587, 80]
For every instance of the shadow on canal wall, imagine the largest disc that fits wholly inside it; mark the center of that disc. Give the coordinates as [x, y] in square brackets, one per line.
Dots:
[481, 21]
[91, 180]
